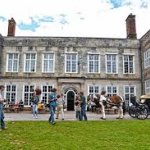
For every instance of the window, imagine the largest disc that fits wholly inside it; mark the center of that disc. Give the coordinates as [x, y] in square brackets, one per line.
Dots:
[129, 91]
[71, 63]
[111, 63]
[12, 62]
[46, 89]
[48, 62]
[28, 94]
[93, 63]
[147, 58]
[128, 64]
[93, 89]
[30, 62]
[111, 90]
[11, 93]
[147, 86]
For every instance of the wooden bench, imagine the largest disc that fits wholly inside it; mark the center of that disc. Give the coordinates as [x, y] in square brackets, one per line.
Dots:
[107, 110]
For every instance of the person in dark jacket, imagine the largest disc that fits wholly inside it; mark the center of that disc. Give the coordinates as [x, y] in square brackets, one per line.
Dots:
[83, 106]
[1, 108]
[52, 105]
[35, 101]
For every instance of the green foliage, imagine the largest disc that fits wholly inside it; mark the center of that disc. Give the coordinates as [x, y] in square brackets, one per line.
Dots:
[75, 135]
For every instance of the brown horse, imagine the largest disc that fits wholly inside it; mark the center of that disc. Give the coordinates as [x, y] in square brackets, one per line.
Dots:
[111, 101]
[117, 101]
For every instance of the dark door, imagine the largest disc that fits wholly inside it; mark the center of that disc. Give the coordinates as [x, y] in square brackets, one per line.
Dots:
[70, 100]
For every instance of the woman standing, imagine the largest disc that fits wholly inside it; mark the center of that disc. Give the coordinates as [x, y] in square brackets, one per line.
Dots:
[35, 101]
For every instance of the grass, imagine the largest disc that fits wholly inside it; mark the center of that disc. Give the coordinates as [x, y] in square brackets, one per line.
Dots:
[75, 135]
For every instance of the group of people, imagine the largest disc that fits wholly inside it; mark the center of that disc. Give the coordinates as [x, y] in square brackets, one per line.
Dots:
[55, 101]
[80, 107]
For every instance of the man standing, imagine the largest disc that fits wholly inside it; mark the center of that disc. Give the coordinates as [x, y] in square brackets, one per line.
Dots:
[1, 108]
[52, 105]
[102, 103]
[83, 106]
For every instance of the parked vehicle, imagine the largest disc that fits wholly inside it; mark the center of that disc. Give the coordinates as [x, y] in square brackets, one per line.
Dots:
[138, 109]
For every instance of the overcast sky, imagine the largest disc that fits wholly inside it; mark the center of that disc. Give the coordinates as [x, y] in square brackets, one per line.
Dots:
[77, 18]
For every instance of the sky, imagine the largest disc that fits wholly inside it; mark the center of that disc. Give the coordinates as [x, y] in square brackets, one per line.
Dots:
[74, 18]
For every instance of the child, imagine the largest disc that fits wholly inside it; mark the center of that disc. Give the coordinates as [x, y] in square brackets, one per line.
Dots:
[78, 109]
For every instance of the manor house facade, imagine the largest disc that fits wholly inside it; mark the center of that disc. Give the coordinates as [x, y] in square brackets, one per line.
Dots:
[74, 64]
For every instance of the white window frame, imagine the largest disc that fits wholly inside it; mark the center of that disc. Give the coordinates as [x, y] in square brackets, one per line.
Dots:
[128, 103]
[93, 63]
[11, 92]
[48, 62]
[12, 64]
[29, 92]
[93, 86]
[46, 93]
[133, 64]
[111, 93]
[30, 69]
[147, 86]
[116, 63]
[71, 53]
[147, 58]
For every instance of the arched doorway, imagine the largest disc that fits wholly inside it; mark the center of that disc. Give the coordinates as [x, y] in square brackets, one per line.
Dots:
[70, 100]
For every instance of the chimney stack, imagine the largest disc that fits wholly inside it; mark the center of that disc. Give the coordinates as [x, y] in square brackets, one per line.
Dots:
[11, 27]
[131, 27]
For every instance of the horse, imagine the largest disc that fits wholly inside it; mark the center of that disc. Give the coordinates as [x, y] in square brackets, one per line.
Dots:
[112, 101]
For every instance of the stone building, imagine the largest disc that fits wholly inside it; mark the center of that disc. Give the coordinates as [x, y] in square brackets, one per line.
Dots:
[74, 64]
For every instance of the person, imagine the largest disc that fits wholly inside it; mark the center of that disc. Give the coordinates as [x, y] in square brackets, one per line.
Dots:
[102, 103]
[83, 106]
[35, 101]
[60, 104]
[78, 108]
[52, 105]
[21, 105]
[41, 106]
[1, 108]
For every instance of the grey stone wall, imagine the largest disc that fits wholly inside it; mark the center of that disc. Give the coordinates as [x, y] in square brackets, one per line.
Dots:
[82, 46]
[145, 45]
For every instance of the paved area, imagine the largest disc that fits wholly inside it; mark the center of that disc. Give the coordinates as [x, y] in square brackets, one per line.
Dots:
[69, 116]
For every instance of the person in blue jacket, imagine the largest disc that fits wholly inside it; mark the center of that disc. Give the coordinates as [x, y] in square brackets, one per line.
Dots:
[52, 105]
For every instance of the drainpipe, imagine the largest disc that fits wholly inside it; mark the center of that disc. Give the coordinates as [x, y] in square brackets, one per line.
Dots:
[142, 68]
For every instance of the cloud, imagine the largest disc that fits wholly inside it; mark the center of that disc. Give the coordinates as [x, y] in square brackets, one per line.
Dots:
[46, 19]
[87, 18]
[31, 26]
[63, 19]
[2, 18]
[116, 3]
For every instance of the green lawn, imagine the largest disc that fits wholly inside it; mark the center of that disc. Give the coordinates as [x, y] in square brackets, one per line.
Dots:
[75, 135]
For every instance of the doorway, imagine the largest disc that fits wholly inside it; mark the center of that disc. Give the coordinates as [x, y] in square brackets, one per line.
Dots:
[70, 100]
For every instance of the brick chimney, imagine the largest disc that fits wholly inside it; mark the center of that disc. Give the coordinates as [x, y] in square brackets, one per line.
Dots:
[131, 27]
[11, 27]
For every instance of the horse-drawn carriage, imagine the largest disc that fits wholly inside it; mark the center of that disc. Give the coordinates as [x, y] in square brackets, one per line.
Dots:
[111, 102]
[140, 109]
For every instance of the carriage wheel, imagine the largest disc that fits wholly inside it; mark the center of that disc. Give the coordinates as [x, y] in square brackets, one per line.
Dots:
[142, 112]
[132, 111]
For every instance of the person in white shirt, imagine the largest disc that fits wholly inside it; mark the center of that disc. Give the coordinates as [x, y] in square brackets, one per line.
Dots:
[60, 105]
[101, 102]
[1, 108]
